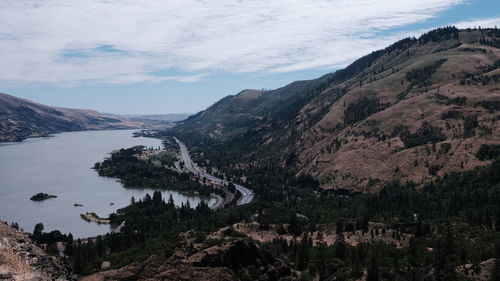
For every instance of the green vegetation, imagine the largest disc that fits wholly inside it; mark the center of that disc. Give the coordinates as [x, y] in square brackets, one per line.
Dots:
[470, 124]
[361, 109]
[482, 77]
[474, 50]
[461, 205]
[420, 77]
[452, 114]
[439, 34]
[42, 196]
[133, 171]
[424, 135]
[151, 227]
[492, 106]
[488, 152]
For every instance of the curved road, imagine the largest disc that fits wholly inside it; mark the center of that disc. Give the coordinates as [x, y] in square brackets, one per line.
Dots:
[246, 194]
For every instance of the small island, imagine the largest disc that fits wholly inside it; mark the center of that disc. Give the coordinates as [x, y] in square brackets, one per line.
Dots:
[42, 196]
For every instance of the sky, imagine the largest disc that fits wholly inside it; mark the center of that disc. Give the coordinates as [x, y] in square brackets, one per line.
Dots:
[171, 56]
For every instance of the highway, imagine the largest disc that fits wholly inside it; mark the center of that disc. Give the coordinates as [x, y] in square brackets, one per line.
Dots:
[246, 194]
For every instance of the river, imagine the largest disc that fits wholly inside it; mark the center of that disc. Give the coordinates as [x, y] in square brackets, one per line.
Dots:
[61, 165]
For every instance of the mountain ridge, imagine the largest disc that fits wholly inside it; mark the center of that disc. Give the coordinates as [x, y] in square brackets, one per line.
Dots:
[22, 118]
[413, 111]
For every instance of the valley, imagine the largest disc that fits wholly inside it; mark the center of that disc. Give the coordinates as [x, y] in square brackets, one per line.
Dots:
[388, 169]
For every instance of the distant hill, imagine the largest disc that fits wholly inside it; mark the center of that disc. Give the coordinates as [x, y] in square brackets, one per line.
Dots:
[168, 118]
[20, 119]
[413, 111]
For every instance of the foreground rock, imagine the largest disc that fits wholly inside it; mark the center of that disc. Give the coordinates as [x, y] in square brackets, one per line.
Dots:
[152, 269]
[232, 260]
[21, 259]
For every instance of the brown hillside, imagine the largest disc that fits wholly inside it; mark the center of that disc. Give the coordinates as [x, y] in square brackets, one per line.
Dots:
[371, 151]
[20, 119]
[413, 111]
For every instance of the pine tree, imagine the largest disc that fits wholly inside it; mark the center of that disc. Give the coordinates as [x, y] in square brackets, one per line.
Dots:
[37, 232]
[373, 270]
[302, 258]
[340, 247]
[68, 250]
[495, 273]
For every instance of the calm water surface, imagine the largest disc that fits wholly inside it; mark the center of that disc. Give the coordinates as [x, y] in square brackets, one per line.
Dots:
[61, 165]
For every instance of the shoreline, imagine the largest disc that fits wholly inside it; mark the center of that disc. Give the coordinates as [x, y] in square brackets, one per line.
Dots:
[93, 217]
[219, 202]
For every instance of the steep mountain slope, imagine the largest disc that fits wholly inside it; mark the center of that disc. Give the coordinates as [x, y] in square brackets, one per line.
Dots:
[413, 111]
[20, 118]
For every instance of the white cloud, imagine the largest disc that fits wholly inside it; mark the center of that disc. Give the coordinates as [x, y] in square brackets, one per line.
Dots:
[488, 22]
[107, 41]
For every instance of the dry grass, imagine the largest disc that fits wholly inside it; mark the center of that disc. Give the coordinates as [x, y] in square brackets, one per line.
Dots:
[325, 234]
[14, 263]
[360, 160]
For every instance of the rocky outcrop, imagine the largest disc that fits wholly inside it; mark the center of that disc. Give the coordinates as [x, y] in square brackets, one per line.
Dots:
[483, 271]
[152, 269]
[231, 261]
[21, 259]
[244, 257]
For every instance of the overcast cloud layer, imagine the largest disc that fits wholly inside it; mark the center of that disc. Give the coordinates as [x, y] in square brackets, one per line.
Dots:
[92, 41]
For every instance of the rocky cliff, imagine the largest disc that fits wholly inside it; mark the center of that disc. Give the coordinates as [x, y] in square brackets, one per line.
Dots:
[21, 259]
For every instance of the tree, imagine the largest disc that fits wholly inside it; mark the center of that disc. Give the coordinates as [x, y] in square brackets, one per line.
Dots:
[495, 273]
[321, 263]
[294, 227]
[373, 271]
[157, 198]
[340, 247]
[37, 232]
[68, 250]
[78, 263]
[302, 259]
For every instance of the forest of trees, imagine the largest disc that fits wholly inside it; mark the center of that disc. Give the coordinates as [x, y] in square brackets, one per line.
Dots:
[150, 226]
[465, 205]
[425, 134]
[420, 77]
[150, 173]
[361, 109]
[460, 205]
